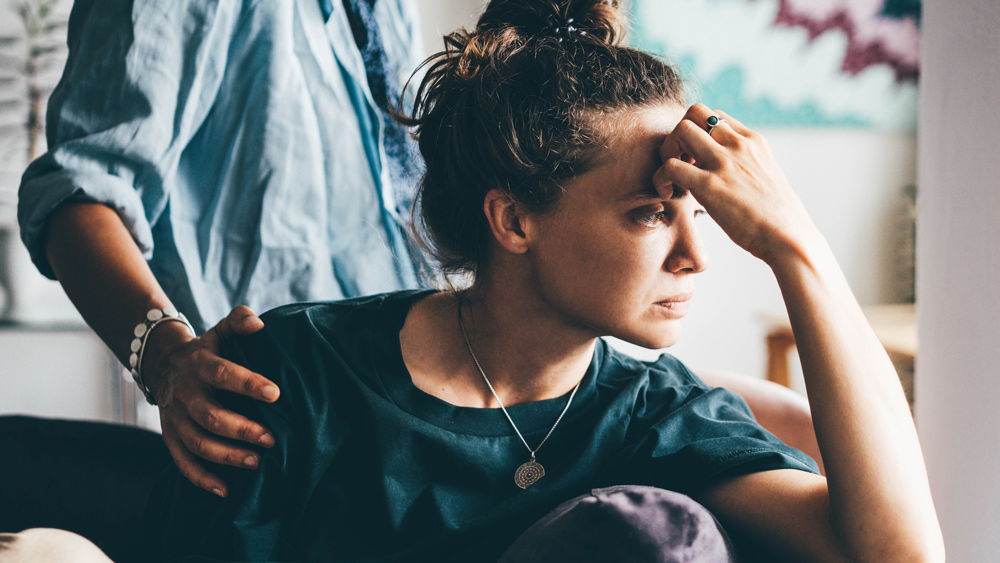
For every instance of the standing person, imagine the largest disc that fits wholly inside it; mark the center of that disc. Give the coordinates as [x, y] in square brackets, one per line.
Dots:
[206, 154]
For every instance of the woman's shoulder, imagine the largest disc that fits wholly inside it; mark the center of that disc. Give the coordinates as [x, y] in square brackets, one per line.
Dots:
[661, 387]
[333, 335]
[365, 304]
[352, 317]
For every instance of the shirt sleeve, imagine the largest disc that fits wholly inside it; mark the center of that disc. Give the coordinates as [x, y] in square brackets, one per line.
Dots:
[700, 435]
[139, 80]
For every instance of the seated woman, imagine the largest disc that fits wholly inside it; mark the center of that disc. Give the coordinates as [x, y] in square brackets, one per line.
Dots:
[564, 181]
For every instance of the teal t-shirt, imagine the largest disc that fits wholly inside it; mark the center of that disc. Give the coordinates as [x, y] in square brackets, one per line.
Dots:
[367, 467]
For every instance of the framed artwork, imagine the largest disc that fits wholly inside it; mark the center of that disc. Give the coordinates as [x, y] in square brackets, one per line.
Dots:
[792, 63]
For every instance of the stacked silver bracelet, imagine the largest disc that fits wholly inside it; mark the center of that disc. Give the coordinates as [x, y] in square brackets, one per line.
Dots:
[153, 319]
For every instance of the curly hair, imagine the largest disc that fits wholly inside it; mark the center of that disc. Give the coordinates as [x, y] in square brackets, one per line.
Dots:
[520, 103]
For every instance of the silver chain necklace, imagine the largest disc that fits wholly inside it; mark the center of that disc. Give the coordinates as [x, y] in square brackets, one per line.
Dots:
[531, 471]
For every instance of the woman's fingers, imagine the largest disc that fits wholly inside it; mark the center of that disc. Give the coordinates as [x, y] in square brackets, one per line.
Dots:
[193, 424]
[241, 320]
[735, 124]
[227, 376]
[687, 155]
[689, 139]
[676, 172]
[210, 447]
[222, 374]
[211, 416]
[699, 114]
[187, 463]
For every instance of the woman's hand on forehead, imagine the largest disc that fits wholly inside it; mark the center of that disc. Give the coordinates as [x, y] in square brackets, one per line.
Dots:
[732, 173]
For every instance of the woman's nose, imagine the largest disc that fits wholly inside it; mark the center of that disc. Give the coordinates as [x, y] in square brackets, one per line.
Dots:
[688, 252]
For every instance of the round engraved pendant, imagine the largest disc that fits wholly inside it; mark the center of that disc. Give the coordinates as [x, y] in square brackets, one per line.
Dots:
[528, 474]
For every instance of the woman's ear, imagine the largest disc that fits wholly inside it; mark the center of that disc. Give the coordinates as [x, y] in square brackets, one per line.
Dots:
[508, 221]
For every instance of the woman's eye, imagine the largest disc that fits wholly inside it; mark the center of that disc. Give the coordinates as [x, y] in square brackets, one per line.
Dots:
[653, 219]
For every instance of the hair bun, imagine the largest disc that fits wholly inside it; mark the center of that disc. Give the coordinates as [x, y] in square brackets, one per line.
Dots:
[600, 20]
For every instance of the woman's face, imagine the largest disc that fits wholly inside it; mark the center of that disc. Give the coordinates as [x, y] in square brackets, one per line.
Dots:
[614, 256]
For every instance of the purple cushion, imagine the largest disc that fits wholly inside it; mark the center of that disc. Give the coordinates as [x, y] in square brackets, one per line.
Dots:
[624, 523]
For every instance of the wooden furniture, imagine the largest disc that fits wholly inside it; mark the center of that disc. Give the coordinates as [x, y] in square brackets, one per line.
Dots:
[894, 325]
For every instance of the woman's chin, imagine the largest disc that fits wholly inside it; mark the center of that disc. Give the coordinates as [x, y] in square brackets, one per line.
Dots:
[656, 337]
[663, 343]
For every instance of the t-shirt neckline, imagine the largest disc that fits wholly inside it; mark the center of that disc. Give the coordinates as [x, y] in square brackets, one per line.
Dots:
[530, 418]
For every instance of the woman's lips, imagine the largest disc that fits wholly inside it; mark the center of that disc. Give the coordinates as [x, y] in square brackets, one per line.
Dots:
[676, 306]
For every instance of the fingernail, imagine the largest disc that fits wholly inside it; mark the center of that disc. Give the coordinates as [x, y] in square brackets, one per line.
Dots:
[219, 492]
[250, 321]
[270, 393]
[266, 440]
[250, 461]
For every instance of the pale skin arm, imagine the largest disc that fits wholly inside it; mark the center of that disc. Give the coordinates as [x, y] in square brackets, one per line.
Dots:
[875, 503]
[105, 275]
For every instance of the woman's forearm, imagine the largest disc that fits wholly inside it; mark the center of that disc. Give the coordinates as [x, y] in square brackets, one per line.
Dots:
[107, 278]
[880, 500]
[102, 271]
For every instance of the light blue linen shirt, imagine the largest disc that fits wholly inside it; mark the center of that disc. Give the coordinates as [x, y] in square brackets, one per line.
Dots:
[239, 143]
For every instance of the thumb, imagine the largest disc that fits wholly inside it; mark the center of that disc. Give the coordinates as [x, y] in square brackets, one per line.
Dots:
[241, 320]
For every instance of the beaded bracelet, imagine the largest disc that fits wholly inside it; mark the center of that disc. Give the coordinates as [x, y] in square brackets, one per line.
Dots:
[153, 318]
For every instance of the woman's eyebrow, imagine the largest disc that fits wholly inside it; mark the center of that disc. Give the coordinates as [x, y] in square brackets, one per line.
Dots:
[650, 193]
[641, 194]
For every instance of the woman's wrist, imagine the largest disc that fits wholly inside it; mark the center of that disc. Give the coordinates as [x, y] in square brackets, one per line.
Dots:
[160, 345]
[808, 251]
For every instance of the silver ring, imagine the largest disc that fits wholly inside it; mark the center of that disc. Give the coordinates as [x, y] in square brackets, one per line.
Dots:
[713, 122]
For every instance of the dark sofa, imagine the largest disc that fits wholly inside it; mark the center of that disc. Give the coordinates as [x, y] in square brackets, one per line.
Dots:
[91, 478]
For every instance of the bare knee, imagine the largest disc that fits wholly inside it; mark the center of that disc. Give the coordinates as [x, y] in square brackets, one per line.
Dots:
[49, 545]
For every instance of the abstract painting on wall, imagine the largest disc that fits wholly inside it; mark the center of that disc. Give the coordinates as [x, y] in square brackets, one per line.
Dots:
[793, 63]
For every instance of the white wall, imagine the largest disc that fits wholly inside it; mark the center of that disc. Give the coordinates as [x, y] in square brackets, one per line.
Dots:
[439, 17]
[851, 182]
[958, 276]
[60, 371]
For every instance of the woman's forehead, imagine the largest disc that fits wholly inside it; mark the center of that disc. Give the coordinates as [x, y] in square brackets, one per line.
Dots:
[632, 154]
[641, 122]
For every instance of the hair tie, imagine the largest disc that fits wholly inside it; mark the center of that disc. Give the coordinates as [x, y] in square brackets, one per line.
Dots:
[561, 28]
